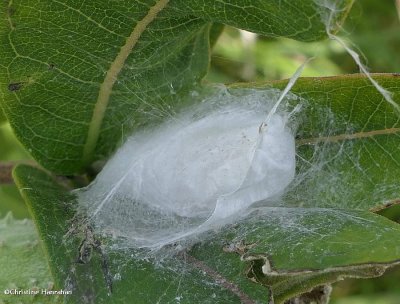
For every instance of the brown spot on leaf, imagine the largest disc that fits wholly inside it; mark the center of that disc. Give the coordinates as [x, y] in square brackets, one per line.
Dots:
[15, 86]
[240, 247]
[10, 11]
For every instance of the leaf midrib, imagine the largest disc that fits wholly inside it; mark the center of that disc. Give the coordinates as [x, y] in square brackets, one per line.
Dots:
[346, 136]
[110, 79]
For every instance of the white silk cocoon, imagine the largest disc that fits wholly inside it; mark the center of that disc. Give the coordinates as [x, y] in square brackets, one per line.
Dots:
[203, 168]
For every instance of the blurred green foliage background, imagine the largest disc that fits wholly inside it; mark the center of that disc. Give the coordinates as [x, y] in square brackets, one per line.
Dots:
[10, 151]
[373, 28]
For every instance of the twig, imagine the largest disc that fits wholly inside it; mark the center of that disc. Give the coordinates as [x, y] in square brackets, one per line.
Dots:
[5, 173]
[6, 170]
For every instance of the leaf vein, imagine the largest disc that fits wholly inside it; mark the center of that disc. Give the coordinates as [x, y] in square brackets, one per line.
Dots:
[111, 77]
[342, 137]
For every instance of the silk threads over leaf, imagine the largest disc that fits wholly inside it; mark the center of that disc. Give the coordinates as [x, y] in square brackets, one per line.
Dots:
[199, 170]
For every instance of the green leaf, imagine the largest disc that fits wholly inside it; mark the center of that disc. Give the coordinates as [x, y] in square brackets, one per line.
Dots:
[289, 250]
[3, 118]
[19, 246]
[294, 250]
[11, 149]
[215, 31]
[52, 208]
[347, 142]
[10, 199]
[77, 77]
